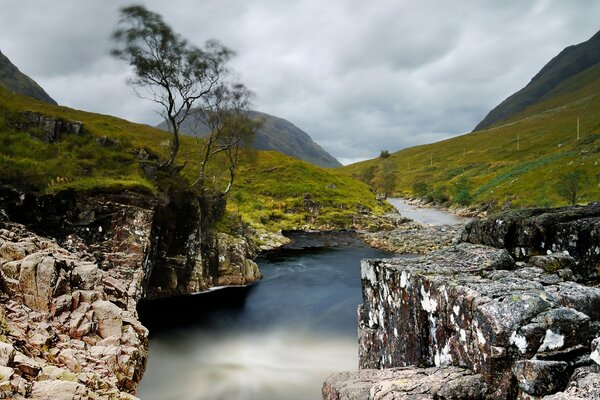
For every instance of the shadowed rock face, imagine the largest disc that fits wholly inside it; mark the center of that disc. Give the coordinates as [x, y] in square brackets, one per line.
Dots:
[526, 327]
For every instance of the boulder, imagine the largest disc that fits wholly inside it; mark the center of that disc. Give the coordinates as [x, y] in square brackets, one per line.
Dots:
[7, 354]
[59, 390]
[539, 378]
[572, 231]
[471, 306]
[108, 317]
[405, 383]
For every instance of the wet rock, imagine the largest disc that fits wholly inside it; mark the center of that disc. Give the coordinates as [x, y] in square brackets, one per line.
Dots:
[405, 383]
[539, 378]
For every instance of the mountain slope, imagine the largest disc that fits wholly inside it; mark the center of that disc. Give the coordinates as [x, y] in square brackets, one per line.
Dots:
[275, 134]
[16, 81]
[568, 63]
[518, 162]
[272, 191]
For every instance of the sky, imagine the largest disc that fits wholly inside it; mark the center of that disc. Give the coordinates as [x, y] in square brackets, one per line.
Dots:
[358, 76]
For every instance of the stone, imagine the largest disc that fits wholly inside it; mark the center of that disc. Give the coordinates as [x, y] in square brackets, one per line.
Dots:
[405, 383]
[595, 355]
[572, 231]
[6, 373]
[109, 318]
[539, 378]
[7, 354]
[468, 306]
[59, 390]
[553, 262]
[36, 281]
[583, 385]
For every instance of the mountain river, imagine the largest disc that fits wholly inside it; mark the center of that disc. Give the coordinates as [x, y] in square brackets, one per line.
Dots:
[278, 339]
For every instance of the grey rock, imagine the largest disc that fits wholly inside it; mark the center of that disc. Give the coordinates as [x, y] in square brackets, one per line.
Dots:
[405, 383]
[573, 231]
[539, 378]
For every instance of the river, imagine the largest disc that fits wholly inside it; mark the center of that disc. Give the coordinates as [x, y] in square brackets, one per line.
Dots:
[277, 340]
[295, 327]
[429, 216]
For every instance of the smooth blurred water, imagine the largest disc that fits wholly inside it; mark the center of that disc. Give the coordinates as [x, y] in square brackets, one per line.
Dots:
[296, 327]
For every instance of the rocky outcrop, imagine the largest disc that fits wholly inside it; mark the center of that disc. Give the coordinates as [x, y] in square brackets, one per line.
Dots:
[572, 231]
[66, 329]
[405, 383]
[70, 327]
[527, 327]
[49, 129]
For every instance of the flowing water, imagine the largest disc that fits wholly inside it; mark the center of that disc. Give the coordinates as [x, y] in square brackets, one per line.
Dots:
[281, 341]
[429, 216]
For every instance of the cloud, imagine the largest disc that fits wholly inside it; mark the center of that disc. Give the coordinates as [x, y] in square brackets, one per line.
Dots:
[358, 76]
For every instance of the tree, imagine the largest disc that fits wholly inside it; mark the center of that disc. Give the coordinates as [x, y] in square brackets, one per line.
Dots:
[461, 192]
[167, 69]
[384, 154]
[420, 189]
[384, 179]
[226, 115]
[569, 185]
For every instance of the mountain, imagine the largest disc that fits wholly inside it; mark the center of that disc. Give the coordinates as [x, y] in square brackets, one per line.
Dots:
[275, 134]
[568, 63]
[16, 81]
[527, 160]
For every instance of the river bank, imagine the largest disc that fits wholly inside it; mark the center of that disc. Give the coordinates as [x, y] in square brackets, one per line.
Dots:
[418, 229]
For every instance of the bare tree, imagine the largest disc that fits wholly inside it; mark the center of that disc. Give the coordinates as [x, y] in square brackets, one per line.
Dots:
[167, 69]
[231, 129]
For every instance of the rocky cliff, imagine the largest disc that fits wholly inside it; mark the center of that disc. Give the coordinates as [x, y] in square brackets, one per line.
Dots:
[517, 321]
[73, 268]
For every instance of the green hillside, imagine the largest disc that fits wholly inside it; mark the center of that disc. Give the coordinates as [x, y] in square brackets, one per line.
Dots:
[523, 161]
[273, 191]
[570, 62]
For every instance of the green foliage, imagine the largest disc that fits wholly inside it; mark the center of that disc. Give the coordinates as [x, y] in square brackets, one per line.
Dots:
[171, 72]
[384, 178]
[569, 185]
[384, 154]
[420, 189]
[273, 191]
[461, 191]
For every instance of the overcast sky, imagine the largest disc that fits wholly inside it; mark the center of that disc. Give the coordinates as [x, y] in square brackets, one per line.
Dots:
[358, 76]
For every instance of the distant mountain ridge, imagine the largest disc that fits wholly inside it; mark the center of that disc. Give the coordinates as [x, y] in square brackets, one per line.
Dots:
[275, 134]
[568, 63]
[13, 79]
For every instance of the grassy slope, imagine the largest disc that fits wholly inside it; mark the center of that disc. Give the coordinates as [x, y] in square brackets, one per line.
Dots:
[270, 192]
[490, 160]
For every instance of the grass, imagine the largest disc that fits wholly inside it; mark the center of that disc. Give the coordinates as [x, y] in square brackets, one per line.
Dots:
[272, 191]
[517, 161]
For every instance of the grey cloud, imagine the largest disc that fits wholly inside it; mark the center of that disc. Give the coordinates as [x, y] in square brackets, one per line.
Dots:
[358, 76]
